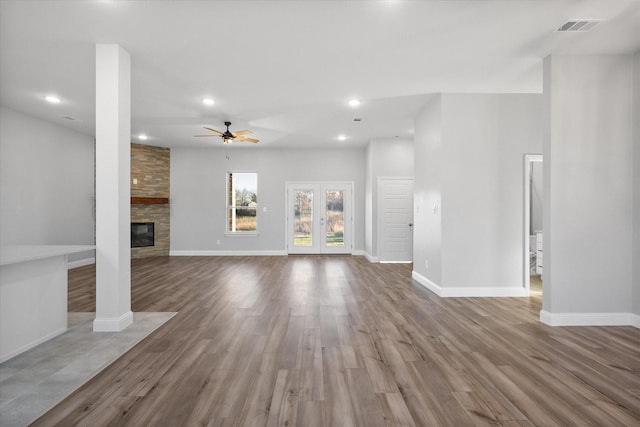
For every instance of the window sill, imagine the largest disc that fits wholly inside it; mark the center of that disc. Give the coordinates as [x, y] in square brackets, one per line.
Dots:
[242, 234]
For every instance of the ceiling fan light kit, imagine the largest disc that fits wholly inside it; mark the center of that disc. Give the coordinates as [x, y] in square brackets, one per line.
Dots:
[228, 136]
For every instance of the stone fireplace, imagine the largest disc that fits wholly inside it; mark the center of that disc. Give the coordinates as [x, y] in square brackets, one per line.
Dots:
[150, 198]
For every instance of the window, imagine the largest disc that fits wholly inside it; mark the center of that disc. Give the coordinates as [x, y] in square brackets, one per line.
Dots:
[242, 202]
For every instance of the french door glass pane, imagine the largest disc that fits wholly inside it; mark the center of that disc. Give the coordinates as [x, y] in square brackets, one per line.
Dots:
[335, 218]
[303, 218]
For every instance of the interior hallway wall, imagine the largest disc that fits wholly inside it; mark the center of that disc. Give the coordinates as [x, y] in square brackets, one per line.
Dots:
[636, 190]
[475, 144]
[588, 189]
[537, 196]
[427, 227]
[385, 158]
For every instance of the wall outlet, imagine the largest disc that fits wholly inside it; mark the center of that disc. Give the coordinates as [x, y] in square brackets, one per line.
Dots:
[218, 242]
[426, 263]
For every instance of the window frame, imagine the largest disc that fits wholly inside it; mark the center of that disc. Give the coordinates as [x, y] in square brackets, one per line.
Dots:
[229, 207]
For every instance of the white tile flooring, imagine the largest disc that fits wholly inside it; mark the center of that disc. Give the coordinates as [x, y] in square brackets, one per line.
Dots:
[35, 381]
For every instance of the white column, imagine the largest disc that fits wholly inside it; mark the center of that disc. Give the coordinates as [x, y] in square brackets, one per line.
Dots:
[113, 232]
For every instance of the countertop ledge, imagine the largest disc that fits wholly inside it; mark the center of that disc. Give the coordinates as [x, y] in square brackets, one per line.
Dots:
[17, 254]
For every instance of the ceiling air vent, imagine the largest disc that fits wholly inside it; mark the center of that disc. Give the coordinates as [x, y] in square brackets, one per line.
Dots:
[357, 119]
[73, 119]
[577, 26]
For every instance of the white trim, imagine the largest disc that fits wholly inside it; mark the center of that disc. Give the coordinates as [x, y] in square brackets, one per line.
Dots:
[358, 252]
[242, 234]
[485, 292]
[469, 292]
[528, 159]
[81, 263]
[371, 258]
[436, 289]
[113, 324]
[396, 262]
[589, 319]
[228, 253]
[32, 344]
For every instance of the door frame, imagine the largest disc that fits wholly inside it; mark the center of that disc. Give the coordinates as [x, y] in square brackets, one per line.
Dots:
[349, 184]
[529, 159]
[379, 216]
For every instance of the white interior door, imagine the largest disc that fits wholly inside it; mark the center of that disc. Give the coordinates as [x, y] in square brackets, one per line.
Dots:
[319, 218]
[395, 216]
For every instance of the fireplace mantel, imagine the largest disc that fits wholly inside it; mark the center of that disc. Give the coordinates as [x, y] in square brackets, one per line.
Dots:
[150, 200]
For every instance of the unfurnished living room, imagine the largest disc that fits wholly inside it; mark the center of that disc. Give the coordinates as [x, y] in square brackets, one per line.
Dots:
[319, 213]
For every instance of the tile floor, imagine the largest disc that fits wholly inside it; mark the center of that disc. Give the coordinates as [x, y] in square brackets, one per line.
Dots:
[35, 381]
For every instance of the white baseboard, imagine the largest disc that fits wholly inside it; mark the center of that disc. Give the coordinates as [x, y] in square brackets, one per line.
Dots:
[436, 289]
[113, 324]
[589, 319]
[373, 259]
[357, 252]
[81, 263]
[228, 253]
[469, 291]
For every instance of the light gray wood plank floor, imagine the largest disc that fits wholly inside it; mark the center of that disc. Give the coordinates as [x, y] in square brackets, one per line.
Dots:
[338, 341]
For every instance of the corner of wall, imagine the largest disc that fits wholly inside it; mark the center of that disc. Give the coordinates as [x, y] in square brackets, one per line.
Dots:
[635, 289]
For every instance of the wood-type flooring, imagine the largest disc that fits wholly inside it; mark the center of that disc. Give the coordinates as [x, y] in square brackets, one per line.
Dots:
[338, 341]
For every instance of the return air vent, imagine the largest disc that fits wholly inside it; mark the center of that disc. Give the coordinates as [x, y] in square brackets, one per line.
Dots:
[577, 26]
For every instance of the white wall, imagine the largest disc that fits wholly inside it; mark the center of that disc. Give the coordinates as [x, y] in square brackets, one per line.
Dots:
[385, 158]
[198, 193]
[537, 195]
[485, 138]
[368, 203]
[46, 183]
[469, 191]
[636, 188]
[588, 178]
[427, 243]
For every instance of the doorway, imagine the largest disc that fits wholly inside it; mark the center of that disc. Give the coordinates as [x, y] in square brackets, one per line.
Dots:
[319, 218]
[395, 218]
[533, 230]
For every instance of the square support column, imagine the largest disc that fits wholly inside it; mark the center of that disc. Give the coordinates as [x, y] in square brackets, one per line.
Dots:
[113, 217]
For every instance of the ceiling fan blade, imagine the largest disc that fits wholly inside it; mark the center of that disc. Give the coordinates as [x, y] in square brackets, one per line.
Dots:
[244, 138]
[214, 130]
[242, 132]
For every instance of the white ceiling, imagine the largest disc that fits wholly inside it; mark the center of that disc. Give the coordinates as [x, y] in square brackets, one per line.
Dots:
[286, 69]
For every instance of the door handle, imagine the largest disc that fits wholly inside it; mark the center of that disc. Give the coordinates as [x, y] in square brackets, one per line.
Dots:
[410, 224]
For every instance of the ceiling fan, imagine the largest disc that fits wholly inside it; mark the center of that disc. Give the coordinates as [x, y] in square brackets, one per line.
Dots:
[229, 136]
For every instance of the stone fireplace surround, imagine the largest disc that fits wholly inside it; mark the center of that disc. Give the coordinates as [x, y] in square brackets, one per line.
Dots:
[150, 192]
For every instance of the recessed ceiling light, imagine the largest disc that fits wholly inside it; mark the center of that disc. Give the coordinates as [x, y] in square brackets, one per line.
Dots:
[143, 137]
[342, 137]
[52, 99]
[354, 102]
[208, 101]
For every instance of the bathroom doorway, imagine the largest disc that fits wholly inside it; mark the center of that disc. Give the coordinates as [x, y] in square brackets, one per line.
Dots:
[533, 230]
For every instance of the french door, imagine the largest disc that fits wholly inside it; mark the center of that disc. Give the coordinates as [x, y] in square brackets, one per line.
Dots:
[319, 218]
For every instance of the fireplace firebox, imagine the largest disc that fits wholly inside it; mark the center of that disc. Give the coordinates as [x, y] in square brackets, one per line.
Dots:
[142, 234]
